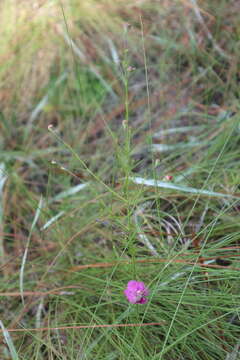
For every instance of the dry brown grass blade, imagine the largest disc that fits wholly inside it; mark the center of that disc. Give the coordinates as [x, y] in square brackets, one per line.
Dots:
[93, 326]
[57, 291]
[189, 5]
[147, 261]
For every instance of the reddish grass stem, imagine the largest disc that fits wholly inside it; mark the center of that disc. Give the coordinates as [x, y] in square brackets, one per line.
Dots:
[93, 326]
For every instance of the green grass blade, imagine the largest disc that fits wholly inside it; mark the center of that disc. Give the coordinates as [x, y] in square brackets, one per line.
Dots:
[9, 342]
[182, 188]
[3, 178]
[37, 214]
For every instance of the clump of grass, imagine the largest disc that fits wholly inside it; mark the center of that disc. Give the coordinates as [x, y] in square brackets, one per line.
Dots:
[29, 57]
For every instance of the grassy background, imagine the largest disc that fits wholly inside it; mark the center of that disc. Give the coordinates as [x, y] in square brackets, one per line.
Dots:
[135, 91]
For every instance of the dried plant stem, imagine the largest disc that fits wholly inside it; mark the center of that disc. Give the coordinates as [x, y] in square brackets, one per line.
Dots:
[93, 326]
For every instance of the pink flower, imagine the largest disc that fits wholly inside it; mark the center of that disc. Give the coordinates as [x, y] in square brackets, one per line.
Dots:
[136, 292]
[168, 177]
